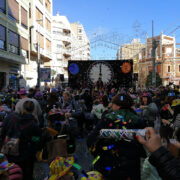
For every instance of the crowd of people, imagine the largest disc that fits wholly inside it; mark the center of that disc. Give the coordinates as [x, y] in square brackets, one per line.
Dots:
[44, 125]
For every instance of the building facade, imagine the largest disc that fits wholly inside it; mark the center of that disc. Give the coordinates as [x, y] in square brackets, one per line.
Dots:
[62, 43]
[67, 46]
[81, 52]
[130, 51]
[40, 22]
[14, 40]
[167, 60]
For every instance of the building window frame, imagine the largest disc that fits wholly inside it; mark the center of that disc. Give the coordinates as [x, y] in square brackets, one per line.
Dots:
[11, 16]
[80, 38]
[3, 10]
[2, 45]
[169, 69]
[3, 42]
[12, 48]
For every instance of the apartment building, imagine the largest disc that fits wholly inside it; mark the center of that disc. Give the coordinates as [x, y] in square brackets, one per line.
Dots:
[14, 40]
[130, 51]
[40, 21]
[67, 46]
[84, 44]
[167, 60]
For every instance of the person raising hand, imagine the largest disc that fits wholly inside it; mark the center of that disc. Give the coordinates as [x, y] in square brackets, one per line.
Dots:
[166, 164]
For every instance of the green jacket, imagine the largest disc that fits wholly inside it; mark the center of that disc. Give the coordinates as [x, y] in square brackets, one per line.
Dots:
[126, 114]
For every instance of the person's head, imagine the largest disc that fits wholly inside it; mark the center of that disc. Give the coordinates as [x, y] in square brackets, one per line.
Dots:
[66, 96]
[96, 102]
[28, 107]
[121, 101]
[146, 99]
[22, 93]
[37, 88]
[39, 95]
[105, 101]
[31, 91]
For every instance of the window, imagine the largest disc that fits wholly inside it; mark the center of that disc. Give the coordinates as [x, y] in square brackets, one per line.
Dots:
[2, 6]
[80, 37]
[168, 51]
[40, 37]
[13, 42]
[48, 5]
[41, 1]
[2, 37]
[169, 68]
[57, 32]
[80, 30]
[24, 18]
[59, 46]
[150, 52]
[48, 45]
[24, 46]
[48, 25]
[13, 10]
[39, 17]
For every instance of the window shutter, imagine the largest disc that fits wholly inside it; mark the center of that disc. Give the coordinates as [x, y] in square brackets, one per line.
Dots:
[24, 16]
[24, 43]
[13, 9]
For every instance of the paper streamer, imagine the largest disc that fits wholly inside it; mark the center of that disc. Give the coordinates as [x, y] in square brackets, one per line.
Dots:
[122, 133]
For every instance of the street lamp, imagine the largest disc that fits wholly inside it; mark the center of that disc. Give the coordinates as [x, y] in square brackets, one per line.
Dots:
[38, 58]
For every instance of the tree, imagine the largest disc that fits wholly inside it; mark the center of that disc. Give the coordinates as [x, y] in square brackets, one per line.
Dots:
[149, 80]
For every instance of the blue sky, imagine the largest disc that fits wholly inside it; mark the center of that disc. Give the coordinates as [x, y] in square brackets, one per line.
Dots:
[119, 17]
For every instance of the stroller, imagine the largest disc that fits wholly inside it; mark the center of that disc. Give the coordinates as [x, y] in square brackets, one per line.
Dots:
[62, 142]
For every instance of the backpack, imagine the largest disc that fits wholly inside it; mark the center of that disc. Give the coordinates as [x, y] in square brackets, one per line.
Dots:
[11, 144]
[16, 137]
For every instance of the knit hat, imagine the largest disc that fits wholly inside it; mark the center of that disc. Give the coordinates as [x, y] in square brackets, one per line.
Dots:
[54, 90]
[122, 100]
[60, 167]
[38, 94]
[22, 91]
[15, 173]
[93, 175]
[4, 165]
[145, 95]
[171, 94]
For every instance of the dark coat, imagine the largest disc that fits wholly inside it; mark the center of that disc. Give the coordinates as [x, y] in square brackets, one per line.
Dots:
[167, 165]
[25, 128]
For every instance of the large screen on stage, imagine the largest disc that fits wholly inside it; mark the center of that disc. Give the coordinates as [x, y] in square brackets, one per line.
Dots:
[84, 74]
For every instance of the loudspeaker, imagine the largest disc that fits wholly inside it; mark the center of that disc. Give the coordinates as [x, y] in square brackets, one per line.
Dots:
[62, 77]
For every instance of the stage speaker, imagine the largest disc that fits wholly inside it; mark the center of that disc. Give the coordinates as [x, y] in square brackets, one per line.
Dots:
[62, 77]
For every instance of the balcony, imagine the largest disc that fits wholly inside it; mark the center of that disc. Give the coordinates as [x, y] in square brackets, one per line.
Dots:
[10, 57]
[67, 32]
[64, 63]
[67, 43]
[66, 55]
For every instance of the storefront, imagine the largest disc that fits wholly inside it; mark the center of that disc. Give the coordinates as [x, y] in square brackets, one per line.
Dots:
[14, 76]
[2, 80]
